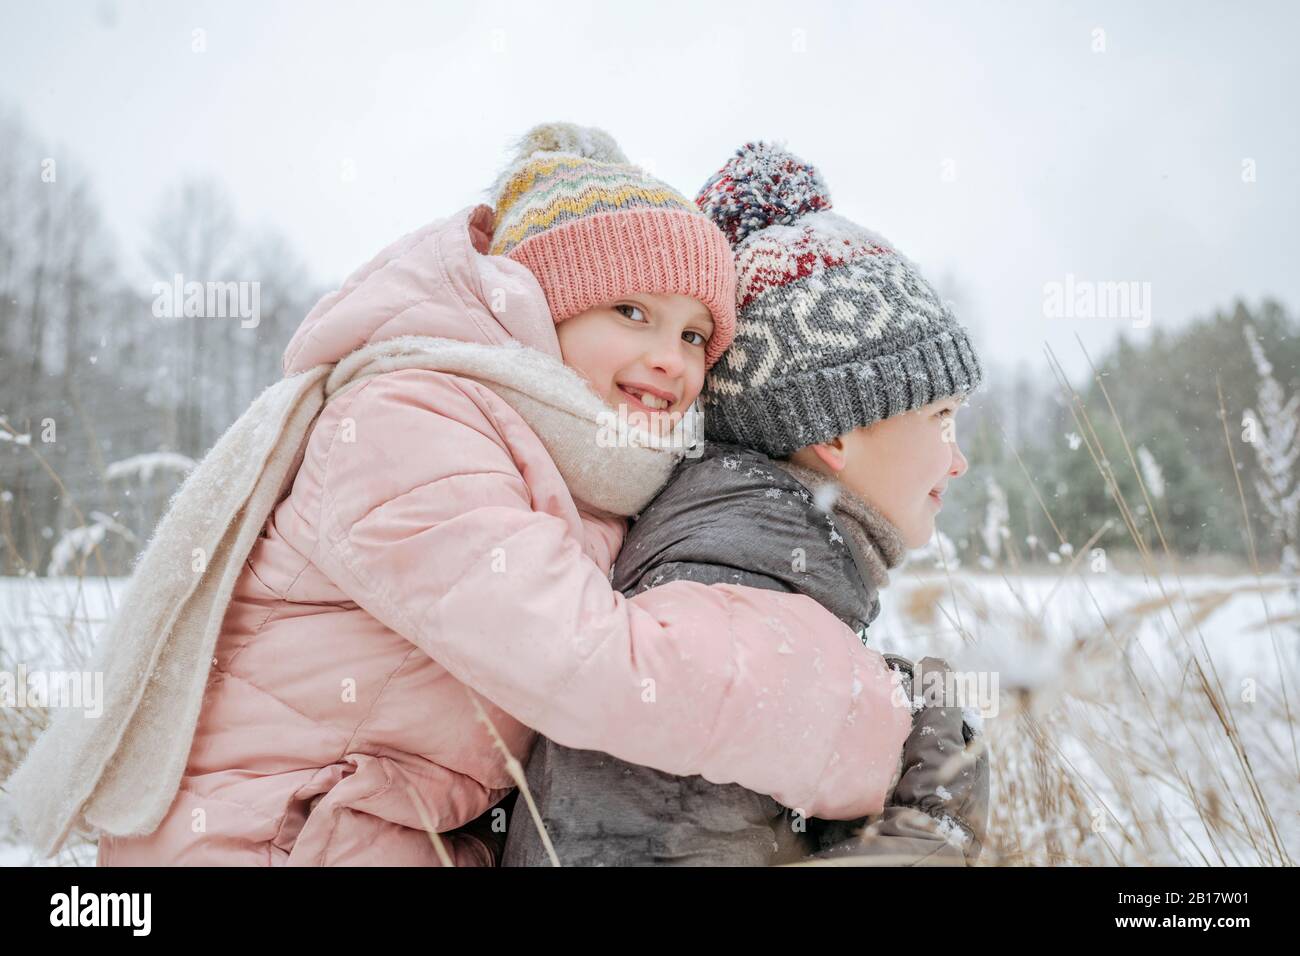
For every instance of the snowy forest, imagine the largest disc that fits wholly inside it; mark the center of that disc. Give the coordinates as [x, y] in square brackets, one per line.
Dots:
[104, 405]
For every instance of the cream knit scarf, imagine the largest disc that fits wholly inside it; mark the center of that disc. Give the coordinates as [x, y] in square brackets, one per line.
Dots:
[119, 772]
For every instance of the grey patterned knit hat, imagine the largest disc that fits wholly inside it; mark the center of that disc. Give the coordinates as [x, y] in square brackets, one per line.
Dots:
[835, 329]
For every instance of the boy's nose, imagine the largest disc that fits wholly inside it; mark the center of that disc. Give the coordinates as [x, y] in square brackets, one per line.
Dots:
[959, 462]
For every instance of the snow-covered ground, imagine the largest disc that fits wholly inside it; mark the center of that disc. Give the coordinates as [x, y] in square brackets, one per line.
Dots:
[995, 610]
[1105, 746]
[1110, 745]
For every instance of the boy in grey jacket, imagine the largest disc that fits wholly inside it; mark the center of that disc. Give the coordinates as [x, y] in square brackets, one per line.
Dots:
[795, 491]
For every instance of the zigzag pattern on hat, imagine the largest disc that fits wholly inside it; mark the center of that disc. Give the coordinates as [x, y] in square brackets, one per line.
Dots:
[783, 254]
[549, 190]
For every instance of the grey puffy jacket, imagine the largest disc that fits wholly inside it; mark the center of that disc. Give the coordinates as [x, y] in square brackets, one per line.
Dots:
[732, 516]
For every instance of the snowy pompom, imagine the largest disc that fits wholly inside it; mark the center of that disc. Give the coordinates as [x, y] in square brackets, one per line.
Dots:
[762, 185]
[588, 142]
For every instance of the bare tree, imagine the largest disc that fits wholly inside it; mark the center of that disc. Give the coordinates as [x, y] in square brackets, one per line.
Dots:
[194, 235]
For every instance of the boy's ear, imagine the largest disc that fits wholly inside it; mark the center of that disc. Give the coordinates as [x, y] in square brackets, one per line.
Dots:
[832, 453]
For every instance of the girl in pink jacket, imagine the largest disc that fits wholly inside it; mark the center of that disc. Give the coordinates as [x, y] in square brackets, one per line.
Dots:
[432, 588]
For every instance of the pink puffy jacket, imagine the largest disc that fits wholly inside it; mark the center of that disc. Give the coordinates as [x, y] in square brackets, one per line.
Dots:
[339, 705]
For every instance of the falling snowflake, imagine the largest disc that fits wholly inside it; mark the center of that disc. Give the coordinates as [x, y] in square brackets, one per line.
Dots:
[1151, 472]
[826, 496]
[952, 832]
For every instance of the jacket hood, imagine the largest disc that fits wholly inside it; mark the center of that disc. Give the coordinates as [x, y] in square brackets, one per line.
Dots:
[733, 507]
[436, 281]
[435, 300]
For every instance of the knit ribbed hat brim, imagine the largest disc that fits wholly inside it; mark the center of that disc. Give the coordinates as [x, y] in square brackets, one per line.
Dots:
[821, 403]
[601, 257]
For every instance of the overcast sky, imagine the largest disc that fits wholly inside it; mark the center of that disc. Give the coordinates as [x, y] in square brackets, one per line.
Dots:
[993, 143]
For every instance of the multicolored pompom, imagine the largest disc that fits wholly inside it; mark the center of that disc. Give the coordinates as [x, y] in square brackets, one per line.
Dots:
[762, 185]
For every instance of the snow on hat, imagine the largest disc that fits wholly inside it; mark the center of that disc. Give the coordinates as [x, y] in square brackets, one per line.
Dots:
[835, 328]
[592, 227]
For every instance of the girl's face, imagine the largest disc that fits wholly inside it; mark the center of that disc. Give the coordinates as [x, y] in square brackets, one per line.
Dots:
[644, 352]
[901, 465]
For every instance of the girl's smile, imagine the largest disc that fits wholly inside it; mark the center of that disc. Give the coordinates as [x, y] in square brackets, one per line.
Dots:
[643, 354]
[648, 398]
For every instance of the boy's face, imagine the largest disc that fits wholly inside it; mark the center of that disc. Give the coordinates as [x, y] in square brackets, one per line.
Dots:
[899, 465]
[642, 343]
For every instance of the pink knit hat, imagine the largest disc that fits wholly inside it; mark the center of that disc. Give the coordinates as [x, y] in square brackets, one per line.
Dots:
[592, 227]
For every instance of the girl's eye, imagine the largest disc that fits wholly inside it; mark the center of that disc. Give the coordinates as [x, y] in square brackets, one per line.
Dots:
[703, 340]
[945, 411]
[629, 309]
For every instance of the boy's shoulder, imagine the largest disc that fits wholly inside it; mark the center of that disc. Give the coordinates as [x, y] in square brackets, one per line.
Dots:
[744, 463]
[732, 515]
[725, 483]
[736, 465]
